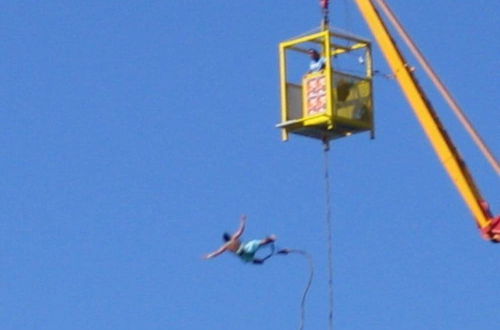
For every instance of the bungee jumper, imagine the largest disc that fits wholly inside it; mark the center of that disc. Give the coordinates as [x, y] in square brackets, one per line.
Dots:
[245, 251]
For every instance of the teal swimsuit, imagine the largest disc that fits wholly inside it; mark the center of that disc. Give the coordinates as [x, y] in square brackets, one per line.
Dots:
[247, 251]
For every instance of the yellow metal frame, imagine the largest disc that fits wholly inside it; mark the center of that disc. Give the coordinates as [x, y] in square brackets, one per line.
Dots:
[283, 72]
[330, 49]
[427, 117]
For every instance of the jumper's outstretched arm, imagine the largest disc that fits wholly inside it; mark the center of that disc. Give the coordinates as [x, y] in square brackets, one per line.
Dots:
[221, 250]
[239, 232]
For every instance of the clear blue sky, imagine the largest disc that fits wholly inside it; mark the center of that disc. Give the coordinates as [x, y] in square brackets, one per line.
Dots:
[134, 133]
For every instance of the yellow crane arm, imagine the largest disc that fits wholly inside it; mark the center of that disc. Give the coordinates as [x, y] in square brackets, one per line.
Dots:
[446, 151]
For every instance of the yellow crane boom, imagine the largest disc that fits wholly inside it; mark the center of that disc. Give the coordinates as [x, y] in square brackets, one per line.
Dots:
[443, 145]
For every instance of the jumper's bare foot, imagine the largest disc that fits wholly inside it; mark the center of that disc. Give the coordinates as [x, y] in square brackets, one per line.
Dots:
[269, 239]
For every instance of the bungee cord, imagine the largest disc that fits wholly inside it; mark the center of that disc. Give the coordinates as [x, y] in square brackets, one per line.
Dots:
[309, 282]
[328, 219]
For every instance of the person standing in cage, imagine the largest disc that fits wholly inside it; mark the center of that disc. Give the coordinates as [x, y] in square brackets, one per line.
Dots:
[318, 62]
[245, 251]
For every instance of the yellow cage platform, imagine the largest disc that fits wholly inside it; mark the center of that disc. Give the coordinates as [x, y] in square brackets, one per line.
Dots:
[331, 103]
